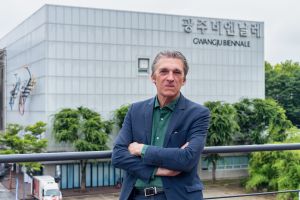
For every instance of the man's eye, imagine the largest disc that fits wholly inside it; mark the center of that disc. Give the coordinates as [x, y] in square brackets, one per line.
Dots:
[164, 71]
[177, 72]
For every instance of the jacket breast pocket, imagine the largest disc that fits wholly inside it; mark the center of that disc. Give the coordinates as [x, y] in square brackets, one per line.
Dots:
[178, 138]
[194, 188]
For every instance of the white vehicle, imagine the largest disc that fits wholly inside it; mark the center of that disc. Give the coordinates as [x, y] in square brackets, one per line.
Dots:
[45, 188]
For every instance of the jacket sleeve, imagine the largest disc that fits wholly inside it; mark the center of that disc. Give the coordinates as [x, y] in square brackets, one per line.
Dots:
[181, 159]
[121, 157]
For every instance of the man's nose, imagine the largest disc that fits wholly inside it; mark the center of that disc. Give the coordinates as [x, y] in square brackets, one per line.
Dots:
[170, 76]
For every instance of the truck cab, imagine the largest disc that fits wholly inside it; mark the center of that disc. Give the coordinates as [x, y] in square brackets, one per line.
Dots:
[45, 188]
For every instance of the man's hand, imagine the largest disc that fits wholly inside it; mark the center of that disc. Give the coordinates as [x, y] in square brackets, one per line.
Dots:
[166, 172]
[135, 148]
[185, 145]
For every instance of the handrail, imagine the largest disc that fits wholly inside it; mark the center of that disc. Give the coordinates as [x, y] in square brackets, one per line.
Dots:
[252, 194]
[59, 156]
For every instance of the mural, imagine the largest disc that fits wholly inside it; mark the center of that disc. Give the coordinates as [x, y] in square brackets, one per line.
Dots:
[22, 89]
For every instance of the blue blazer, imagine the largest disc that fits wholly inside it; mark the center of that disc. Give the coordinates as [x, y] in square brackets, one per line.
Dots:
[189, 123]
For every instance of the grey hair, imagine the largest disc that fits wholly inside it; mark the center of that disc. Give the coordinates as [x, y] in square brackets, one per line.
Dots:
[170, 54]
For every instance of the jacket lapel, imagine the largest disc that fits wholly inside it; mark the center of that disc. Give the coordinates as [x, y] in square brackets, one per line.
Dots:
[175, 118]
[148, 120]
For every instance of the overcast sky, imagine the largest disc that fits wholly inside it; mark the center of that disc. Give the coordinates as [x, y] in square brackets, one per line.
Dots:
[281, 17]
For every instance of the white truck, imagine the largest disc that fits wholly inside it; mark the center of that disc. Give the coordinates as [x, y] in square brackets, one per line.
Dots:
[45, 188]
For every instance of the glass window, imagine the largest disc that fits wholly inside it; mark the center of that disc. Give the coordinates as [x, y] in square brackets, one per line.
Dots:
[98, 16]
[64, 177]
[91, 17]
[120, 19]
[52, 192]
[76, 176]
[75, 33]
[94, 175]
[83, 33]
[52, 50]
[60, 32]
[70, 175]
[98, 35]
[100, 174]
[143, 65]
[106, 174]
[59, 15]
[75, 15]
[83, 52]
[141, 20]
[91, 34]
[75, 51]
[52, 32]
[113, 19]
[51, 14]
[83, 16]
[88, 175]
[68, 15]
[106, 18]
[112, 174]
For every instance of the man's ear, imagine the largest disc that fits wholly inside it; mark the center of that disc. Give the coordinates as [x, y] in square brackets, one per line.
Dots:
[153, 79]
[184, 80]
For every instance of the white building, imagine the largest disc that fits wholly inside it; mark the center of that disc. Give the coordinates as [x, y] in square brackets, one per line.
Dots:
[101, 59]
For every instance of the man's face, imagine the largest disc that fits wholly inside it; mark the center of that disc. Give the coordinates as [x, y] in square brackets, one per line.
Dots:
[168, 77]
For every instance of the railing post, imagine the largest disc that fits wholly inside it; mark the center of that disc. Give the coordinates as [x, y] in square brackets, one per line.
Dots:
[299, 194]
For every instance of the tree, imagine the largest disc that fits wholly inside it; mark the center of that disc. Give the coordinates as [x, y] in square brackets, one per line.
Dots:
[119, 114]
[276, 170]
[222, 127]
[19, 140]
[84, 129]
[260, 121]
[283, 85]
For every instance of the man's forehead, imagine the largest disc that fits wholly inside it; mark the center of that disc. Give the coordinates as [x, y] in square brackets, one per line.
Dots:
[166, 62]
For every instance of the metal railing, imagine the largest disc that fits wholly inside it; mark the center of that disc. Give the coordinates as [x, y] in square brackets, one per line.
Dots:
[14, 158]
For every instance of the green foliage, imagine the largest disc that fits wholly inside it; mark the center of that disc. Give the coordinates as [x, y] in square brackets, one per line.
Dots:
[120, 113]
[66, 125]
[19, 140]
[250, 121]
[83, 128]
[29, 142]
[37, 129]
[260, 121]
[283, 85]
[221, 129]
[223, 123]
[276, 170]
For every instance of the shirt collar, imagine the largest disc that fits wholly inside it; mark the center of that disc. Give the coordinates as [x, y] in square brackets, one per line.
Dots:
[171, 105]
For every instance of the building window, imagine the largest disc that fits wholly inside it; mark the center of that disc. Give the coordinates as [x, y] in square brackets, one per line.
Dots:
[228, 163]
[143, 65]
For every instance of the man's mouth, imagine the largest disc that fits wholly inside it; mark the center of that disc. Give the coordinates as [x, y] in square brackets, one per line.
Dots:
[169, 85]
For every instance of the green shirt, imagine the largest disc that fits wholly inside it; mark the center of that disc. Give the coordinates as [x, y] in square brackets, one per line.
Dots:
[160, 122]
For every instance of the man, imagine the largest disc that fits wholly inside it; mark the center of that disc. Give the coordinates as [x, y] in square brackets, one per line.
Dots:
[161, 140]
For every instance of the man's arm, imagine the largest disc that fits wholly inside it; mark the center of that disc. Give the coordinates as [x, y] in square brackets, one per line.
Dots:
[176, 158]
[121, 158]
[136, 149]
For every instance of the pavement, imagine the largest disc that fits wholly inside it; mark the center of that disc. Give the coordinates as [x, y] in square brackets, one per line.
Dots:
[5, 194]
[221, 188]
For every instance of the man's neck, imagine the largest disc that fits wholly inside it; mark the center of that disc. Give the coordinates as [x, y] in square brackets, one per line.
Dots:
[163, 101]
